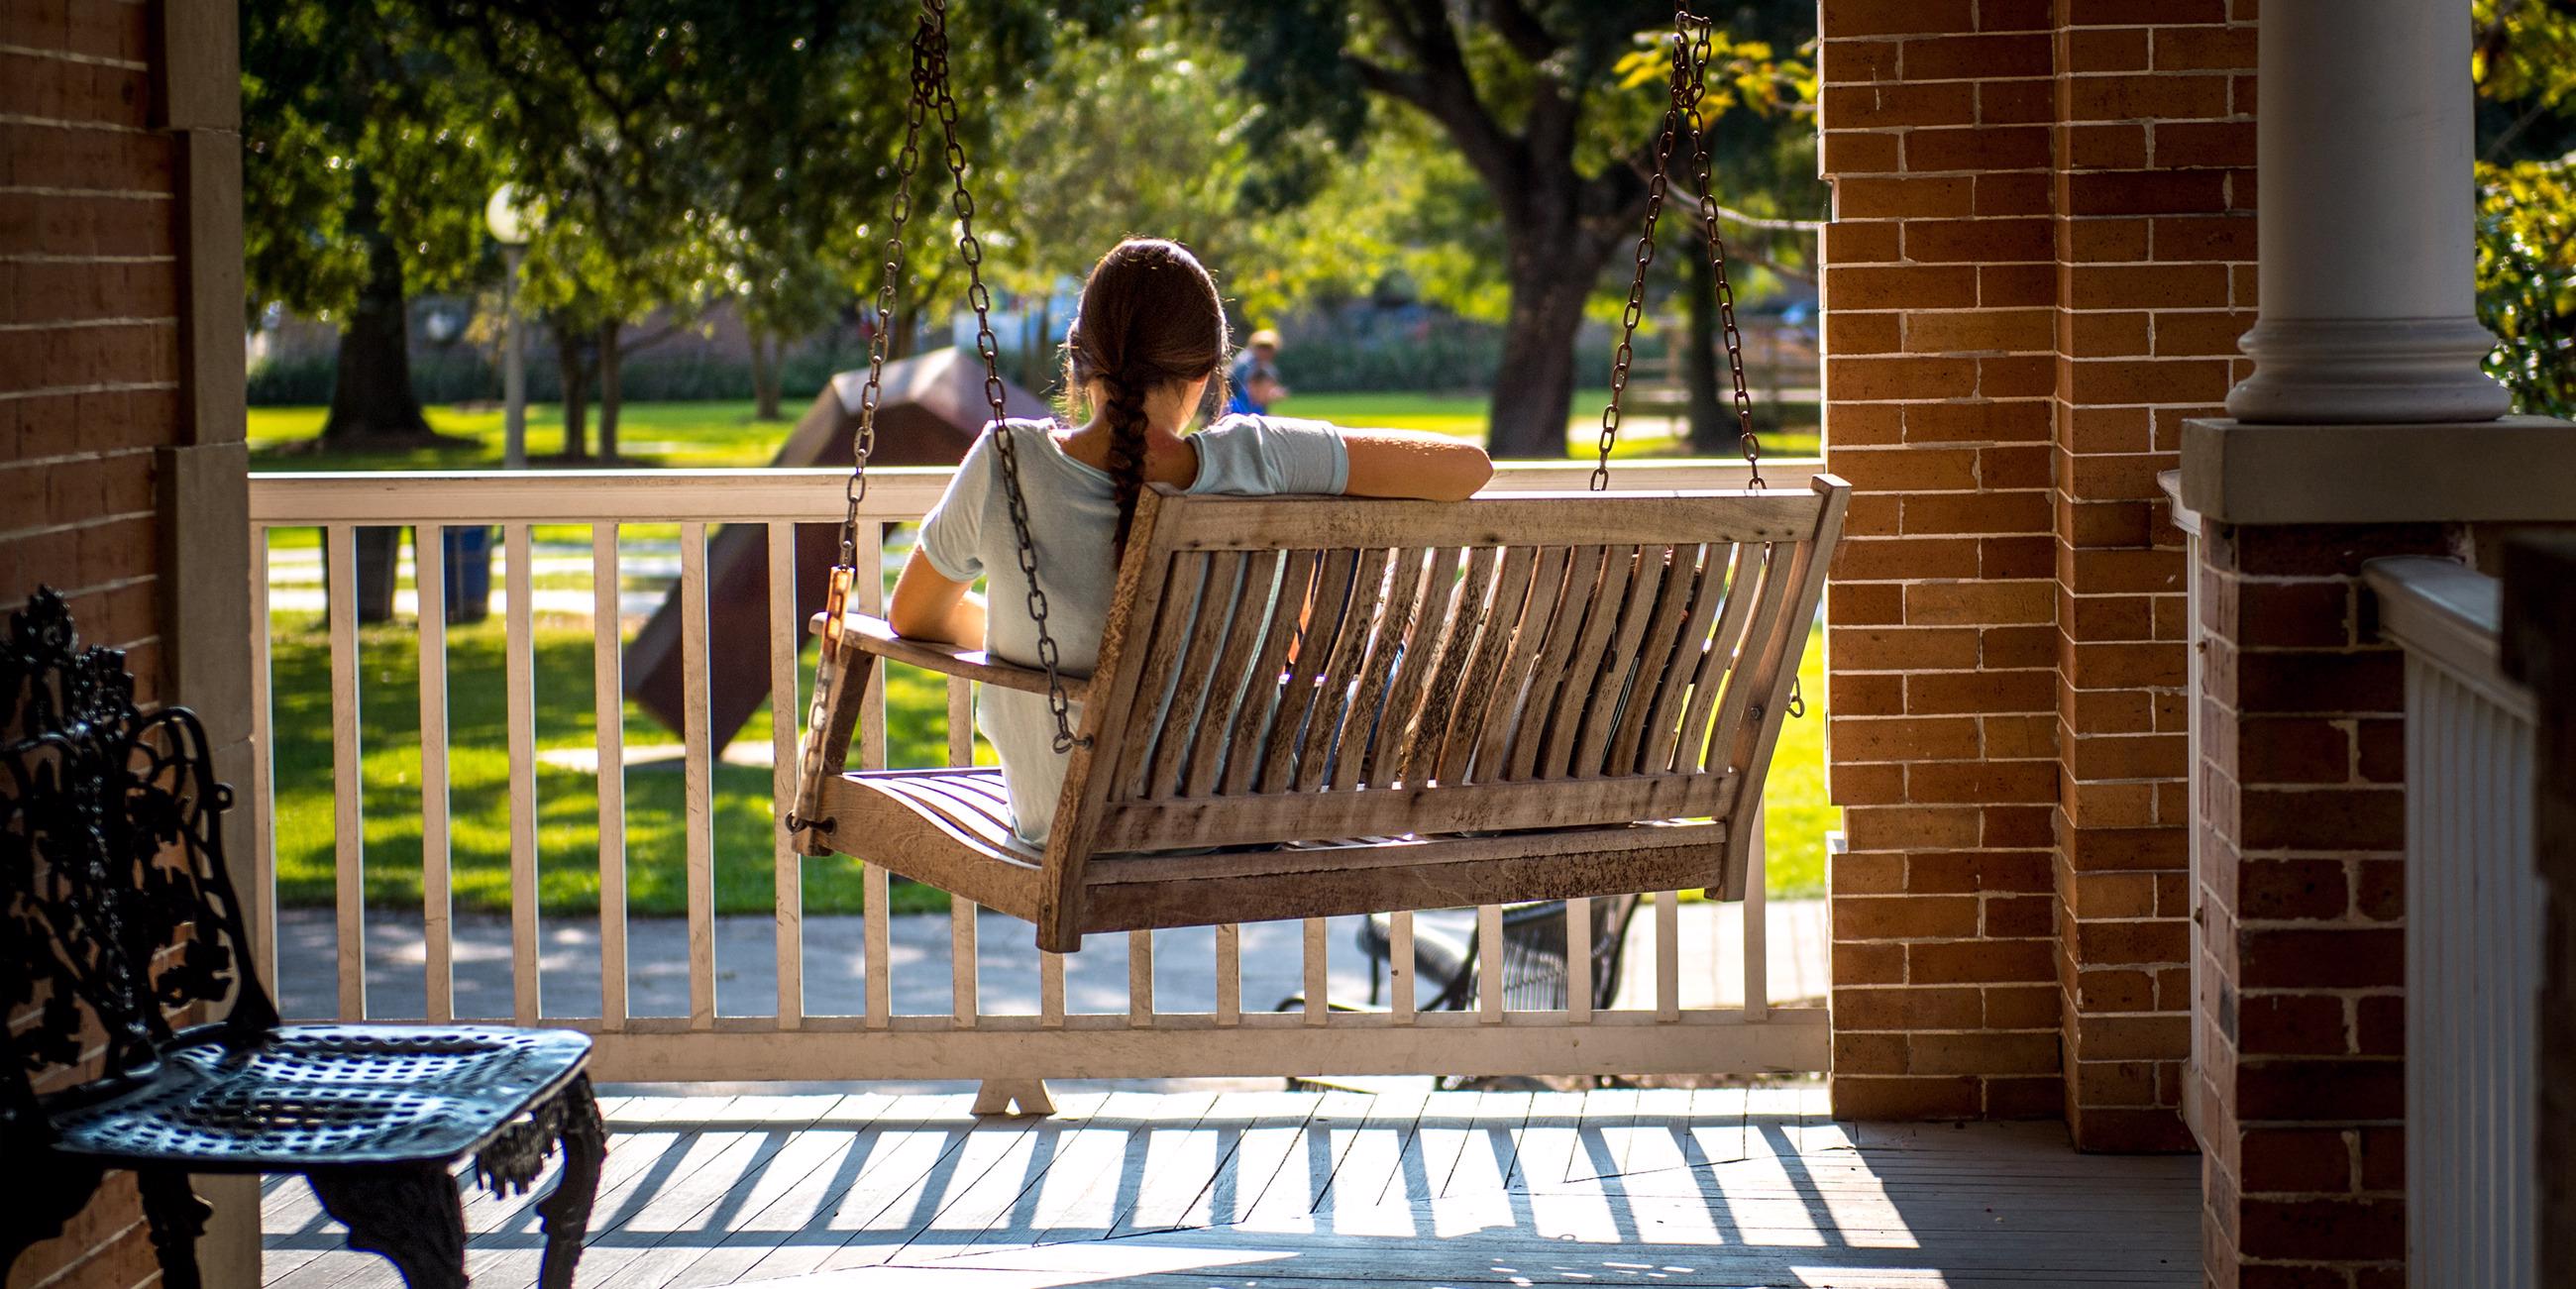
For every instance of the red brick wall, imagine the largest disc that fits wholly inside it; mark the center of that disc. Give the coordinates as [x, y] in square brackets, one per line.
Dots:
[2155, 247]
[2302, 1096]
[1939, 294]
[2038, 264]
[90, 379]
[89, 319]
[2540, 650]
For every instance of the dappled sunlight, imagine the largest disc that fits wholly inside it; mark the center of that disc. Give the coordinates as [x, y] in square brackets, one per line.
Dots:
[1612, 1185]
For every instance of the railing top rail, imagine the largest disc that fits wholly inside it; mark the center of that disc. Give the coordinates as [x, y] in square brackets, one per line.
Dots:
[2449, 615]
[733, 496]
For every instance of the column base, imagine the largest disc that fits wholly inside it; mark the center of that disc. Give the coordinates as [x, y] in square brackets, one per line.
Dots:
[2520, 469]
[2374, 371]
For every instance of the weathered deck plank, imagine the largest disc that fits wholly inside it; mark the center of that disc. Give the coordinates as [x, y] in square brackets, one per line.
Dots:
[1717, 1186]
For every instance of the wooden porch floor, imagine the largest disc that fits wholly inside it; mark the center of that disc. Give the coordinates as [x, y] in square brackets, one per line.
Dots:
[1339, 1188]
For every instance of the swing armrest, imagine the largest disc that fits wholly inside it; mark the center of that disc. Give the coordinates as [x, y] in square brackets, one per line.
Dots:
[874, 636]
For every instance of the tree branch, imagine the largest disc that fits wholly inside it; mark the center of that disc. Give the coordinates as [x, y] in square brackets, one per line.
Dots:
[1522, 30]
[1495, 155]
[1443, 88]
[649, 339]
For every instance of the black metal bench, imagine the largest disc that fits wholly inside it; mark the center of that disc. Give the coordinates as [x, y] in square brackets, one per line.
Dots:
[1536, 973]
[116, 911]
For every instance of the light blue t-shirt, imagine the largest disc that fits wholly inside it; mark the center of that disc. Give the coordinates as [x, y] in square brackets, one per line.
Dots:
[1073, 513]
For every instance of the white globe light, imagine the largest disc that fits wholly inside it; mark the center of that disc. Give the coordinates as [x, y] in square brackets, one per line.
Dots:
[503, 215]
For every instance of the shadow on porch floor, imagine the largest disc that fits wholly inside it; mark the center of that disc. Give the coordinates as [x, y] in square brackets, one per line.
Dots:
[1717, 1186]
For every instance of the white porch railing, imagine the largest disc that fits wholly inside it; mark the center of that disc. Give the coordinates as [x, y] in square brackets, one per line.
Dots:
[2473, 907]
[1674, 1029]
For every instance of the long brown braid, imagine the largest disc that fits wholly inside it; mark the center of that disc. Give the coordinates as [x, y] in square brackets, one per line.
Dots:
[1150, 316]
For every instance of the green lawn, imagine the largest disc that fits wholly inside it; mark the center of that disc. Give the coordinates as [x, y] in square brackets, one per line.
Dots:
[1793, 835]
[567, 797]
[724, 434]
[665, 434]
[696, 434]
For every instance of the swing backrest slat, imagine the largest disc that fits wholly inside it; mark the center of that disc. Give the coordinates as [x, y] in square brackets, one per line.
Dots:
[1556, 659]
[1307, 669]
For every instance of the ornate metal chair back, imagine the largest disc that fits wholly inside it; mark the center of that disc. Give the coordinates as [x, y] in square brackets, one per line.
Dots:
[115, 907]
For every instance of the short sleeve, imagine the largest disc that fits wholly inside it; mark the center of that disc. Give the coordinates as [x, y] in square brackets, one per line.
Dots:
[1259, 455]
[952, 534]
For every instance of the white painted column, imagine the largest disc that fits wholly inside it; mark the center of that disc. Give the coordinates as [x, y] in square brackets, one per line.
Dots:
[2364, 138]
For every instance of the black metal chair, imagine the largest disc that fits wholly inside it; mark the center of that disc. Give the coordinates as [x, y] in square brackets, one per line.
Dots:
[1536, 975]
[116, 911]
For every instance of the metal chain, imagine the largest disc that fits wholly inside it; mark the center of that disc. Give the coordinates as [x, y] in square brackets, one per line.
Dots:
[864, 441]
[1694, 41]
[1005, 448]
[1656, 185]
[1690, 100]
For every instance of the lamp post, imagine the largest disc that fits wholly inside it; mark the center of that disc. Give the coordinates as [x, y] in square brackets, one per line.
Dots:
[503, 216]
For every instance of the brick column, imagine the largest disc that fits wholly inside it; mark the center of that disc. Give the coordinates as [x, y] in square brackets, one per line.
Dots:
[2155, 242]
[2302, 757]
[2540, 649]
[89, 390]
[1939, 331]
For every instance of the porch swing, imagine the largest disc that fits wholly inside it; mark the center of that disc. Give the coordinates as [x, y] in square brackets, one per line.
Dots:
[1312, 706]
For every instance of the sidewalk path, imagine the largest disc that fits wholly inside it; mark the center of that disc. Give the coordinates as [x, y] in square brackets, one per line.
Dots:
[1006, 973]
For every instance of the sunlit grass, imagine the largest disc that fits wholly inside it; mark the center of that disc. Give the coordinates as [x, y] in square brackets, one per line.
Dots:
[1794, 795]
[567, 800]
[703, 435]
[723, 434]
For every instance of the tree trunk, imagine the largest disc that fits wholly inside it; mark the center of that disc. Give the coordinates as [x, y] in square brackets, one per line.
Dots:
[1042, 359]
[764, 378]
[1712, 413]
[610, 397]
[902, 326]
[371, 394]
[576, 392]
[1533, 401]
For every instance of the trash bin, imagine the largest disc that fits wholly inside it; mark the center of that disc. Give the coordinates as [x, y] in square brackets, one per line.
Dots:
[379, 551]
[469, 573]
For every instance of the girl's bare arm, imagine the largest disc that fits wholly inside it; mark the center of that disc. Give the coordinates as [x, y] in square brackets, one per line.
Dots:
[928, 606]
[1414, 463]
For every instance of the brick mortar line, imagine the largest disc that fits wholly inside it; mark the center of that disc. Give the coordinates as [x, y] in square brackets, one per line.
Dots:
[102, 521]
[75, 123]
[124, 194]
[67, 56]
[2346, 993]
[86, 324]
[83, 458]
[109, 387]
[2322, 651]
[114, 586]
[41, 258]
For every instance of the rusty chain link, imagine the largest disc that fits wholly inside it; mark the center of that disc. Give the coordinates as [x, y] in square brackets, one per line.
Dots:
[1694, 40]
[1697, 65]
[864, 440]
[934, 17]
[1656, 185]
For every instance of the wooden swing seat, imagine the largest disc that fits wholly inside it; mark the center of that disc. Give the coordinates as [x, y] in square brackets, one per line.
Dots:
[1334, 705]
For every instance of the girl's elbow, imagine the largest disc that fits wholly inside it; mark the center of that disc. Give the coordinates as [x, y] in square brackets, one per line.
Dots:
[1469, 473]
[910, 623]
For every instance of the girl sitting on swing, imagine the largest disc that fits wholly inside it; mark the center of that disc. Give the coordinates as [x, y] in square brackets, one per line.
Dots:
[1148, 340]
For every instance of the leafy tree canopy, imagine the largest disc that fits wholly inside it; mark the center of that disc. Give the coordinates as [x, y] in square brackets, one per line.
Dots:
[1542, 102]
[2524, 63]
[356, 126]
